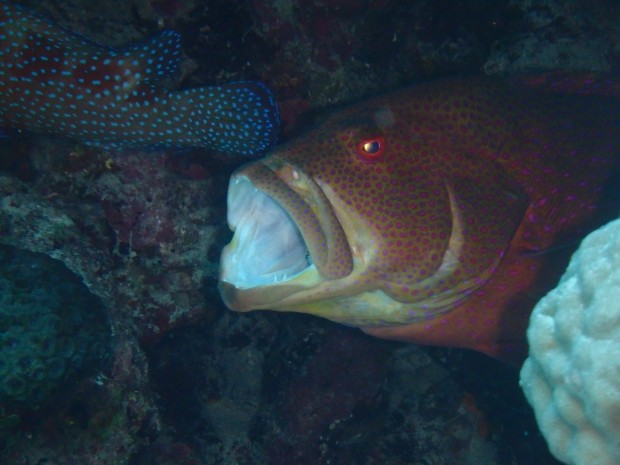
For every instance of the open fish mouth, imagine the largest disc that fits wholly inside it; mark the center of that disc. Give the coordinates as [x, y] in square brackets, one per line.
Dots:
[267, 246]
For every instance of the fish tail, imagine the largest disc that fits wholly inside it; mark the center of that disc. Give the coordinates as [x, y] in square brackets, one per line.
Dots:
[238, 117]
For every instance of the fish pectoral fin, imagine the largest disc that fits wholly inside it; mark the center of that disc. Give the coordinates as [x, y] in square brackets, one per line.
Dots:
[569, 245]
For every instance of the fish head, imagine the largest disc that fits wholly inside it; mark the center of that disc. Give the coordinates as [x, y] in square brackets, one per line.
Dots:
[368, 220]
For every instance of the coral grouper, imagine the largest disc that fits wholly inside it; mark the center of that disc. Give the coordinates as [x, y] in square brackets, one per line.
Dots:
[438, 214]
[56, 81]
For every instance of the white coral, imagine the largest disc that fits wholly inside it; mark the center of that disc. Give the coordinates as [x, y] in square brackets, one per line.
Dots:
[572, 375]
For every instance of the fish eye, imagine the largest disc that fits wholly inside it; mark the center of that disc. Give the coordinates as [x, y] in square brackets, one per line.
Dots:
[371, 149]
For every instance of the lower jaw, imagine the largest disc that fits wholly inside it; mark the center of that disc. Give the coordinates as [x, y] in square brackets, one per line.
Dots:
[268, 296]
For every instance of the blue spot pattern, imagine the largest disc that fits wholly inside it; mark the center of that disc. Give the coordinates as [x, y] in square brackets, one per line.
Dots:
[53, 80]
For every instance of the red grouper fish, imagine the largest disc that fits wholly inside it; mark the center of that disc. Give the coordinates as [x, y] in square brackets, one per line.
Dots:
[438, 214]
[53, 80]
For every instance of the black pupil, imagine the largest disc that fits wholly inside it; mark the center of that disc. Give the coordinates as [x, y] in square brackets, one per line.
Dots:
[372, 147]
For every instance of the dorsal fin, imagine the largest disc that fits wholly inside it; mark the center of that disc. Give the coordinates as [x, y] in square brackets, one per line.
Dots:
[582, 83]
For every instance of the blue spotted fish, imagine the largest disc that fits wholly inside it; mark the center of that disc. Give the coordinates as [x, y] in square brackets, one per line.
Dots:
[56, 81]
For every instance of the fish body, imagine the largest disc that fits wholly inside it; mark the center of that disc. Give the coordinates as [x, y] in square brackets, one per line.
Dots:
[56, 81]
[437, 214]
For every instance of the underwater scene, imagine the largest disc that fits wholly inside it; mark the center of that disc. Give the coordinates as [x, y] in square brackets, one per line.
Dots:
[310, 232]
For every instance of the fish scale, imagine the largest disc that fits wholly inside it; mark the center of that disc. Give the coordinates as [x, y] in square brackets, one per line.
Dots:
[53, 80]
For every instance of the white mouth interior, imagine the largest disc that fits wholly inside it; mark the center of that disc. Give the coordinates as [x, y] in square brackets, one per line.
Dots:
[267, 246]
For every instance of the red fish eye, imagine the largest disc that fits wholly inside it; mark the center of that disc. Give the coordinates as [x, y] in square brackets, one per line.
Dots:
[371, 149]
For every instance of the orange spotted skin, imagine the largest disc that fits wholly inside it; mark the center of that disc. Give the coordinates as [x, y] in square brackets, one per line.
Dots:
[465, 217]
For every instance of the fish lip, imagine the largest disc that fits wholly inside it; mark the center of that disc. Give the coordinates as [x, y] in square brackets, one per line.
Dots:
[332, 253]
[245, 300]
